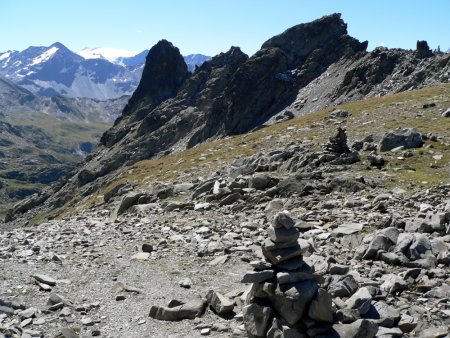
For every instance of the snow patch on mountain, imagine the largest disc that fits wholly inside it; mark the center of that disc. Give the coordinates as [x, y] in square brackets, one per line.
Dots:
[5, 55]
[113, 55]
[44, 56]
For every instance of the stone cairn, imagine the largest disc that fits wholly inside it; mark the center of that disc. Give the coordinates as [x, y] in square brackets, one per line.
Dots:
[284, 300]
[338, 144]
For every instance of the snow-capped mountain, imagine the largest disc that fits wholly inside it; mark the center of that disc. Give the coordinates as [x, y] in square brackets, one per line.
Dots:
[113, 55]
[97, 73]
[193, 60]
[54, 70]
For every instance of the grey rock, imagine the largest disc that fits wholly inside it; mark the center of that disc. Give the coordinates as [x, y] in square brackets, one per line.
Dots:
[185, 283]
[446, 113]
[28, 313]
[434, 332]
[343, 286]
[277, 256]
[205, 332]
[386, 315]
[190, 310]
[347, 229]
[380, 242]
[68, 333]
[259, 181]
[407, 138]
[442, 291]
[407, 323]
[6, 309]
[419, 247]
[256, 319]
[283, 219]
[146, 247]
[125, 203]
[338, 113]
[360, 300]
[358, 329]
[393, 284]
[291, 300]
[257, 276]
[283, 235]
[230, 199]
[320, 309]
[347, 315]
[44, 279]
[220, 303]
[87, 321]
[375, 160]
[388, 332]
[261, 265]
[338, 269]
[140, 256]
[293, 276]
[275, 204]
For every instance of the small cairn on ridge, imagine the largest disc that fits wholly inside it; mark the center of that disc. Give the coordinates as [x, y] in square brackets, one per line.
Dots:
[285, 300]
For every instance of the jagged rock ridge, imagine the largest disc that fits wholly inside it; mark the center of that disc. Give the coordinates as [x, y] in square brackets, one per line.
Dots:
[308, 67]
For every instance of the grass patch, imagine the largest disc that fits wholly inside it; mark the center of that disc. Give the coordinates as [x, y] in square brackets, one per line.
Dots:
[372, 116]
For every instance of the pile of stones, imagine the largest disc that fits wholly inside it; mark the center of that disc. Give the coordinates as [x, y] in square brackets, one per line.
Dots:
[338, 144]
[285, 298]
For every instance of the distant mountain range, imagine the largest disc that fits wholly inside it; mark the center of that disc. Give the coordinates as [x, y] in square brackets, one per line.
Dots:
[96, 73]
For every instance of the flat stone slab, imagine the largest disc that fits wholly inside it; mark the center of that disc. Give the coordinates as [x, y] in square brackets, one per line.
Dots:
[348, 229]
[44, 279]
[293, 277]
[277, 256]
[283, 235]
[257, 276]
[140, 256]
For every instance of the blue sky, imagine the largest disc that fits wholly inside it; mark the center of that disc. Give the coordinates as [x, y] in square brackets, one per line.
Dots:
[210, 27]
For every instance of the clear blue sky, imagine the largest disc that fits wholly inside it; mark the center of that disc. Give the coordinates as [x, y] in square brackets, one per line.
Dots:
[210, 27]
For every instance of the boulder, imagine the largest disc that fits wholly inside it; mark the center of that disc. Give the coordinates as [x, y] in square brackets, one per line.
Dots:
[190, 310]
[407, 138]
[360, 300]
[219, 303]
[256, 319]
[358, 329]
[320, 309]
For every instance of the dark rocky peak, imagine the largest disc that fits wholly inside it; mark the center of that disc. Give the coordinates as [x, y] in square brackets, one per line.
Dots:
[202, 90]
[232, 58]
[422, 50]
[300, 41]
[164, 73]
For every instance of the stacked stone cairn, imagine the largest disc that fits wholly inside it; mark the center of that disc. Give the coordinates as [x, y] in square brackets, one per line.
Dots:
[338, 144]
[285, 300]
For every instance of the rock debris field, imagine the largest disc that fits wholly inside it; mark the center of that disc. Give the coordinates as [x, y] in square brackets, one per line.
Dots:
[290, 243]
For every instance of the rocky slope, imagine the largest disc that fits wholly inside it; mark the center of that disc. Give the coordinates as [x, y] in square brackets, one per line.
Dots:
[379, 253]
[331, 224]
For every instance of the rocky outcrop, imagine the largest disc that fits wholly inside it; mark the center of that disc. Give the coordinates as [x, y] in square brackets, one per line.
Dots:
[164, 72]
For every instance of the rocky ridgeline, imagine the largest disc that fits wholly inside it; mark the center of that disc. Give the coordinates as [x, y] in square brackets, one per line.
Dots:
[308, 67]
